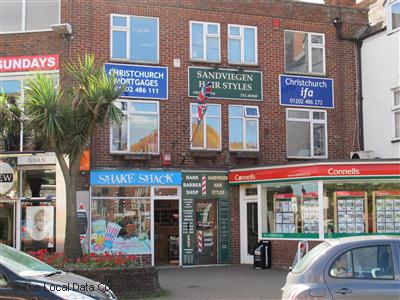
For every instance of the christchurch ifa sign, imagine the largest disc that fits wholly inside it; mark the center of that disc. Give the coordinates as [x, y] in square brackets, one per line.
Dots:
[6, 178]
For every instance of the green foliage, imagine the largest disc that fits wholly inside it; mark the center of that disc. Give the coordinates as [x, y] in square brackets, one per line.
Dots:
[10, 116]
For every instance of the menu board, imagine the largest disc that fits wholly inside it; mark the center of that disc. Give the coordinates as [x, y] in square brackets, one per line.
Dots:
[350, 212]
[387, 211]
[310, 212]
[285, 211]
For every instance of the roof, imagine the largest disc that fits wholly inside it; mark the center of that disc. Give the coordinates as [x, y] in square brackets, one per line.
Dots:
[371, 30]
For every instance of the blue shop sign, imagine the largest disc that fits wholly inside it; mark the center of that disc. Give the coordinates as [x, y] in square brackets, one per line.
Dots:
[306, 91]
[129, 177]
[142, 81]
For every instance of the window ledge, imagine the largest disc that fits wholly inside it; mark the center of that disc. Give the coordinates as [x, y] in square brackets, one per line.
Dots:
[396, 140]
[245, 154]
[136, 156]
[204, 153]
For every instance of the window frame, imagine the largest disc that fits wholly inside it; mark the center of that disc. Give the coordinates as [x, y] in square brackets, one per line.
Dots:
[23, 21]
[242, 44]
[352, 262]
[205, 129]
[390, 20]
[244, 118]
[395, 110]
[128, 114]
[310, 46]
[311, 121]
[127, 30]
[205, 35]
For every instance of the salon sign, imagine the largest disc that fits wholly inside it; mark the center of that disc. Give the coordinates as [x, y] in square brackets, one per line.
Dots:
[134, 177]
[6, 178]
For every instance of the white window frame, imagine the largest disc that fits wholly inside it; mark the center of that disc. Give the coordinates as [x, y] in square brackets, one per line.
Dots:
[244, 118]
[390, 21]
[205, 36]
[242, 44]
[205, 129]
[395, 110]
[23, 21]
[127, 30]
[128, 114]
[312, 122]
[309, 52]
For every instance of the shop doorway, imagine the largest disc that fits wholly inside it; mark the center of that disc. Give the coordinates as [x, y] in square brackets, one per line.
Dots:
[249, 230]
[7, 223]
[206, 232]
[166, 232]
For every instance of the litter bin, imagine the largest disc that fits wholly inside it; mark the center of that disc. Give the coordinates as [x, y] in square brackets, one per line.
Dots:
[262, 255]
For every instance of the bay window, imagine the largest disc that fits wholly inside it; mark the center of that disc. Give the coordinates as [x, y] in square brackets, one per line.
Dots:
[306, 133]
[139, 131]
[243, 128]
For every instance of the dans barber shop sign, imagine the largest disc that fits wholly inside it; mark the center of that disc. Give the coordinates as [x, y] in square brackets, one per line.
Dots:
[226, 83]
[6, 178]
[306, 91]
[141, 81]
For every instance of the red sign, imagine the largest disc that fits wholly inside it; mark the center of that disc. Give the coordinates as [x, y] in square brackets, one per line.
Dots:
[29, 63]
[284, 196]
[349, 193]
[310, 195]
[325, 170]
[388, 193]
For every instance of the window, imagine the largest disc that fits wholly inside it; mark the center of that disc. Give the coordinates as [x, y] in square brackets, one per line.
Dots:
[394, 16]
[204, 41]
[28, 15]
[306, 133]
[373, 262]
[134, 38]
[138, 132]
[206, 134]
[396, 112]
[243, 127]
[242, 44]
[304, 52]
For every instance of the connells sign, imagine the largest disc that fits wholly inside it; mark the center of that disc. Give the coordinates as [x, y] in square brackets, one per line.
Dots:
[226, 83]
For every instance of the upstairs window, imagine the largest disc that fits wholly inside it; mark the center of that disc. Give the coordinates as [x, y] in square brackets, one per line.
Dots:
[139, 131]
[396, 112]
[243, 128]
[207, 134]
[394, 16]
[306, 133]
[304, 52]
[242, 44]
[204, 41]
[134, 38]
[28, 15]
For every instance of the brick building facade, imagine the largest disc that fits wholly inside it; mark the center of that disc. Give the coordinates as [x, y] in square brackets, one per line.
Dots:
[90, 22]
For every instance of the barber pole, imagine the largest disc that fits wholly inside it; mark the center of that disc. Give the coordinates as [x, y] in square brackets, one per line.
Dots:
[199, 239]
[203, 185]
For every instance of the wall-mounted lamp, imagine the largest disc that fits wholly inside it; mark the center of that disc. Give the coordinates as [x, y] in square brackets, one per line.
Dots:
[65, 29]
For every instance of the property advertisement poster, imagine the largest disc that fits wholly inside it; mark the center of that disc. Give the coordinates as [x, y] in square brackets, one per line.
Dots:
[38, 230]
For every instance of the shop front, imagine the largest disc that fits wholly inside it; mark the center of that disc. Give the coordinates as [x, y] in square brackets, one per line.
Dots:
[315, 201]
[136, 212]
[205, 218]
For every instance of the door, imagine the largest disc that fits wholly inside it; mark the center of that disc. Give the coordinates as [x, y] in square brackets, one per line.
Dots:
[248, 230]
[364, 273]
[206, 232]
[7, 223]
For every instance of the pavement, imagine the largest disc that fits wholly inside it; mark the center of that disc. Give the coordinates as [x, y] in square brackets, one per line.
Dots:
[221, 282]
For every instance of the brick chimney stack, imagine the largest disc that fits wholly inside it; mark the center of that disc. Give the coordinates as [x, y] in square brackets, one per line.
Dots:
[340, 2]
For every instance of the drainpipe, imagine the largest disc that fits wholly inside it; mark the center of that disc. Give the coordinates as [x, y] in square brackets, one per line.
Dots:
[338, 23]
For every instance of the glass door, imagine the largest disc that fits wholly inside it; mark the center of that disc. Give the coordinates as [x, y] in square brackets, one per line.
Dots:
[206, 232]
[248, 230]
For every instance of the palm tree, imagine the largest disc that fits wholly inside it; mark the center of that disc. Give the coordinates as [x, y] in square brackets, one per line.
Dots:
[65, 120]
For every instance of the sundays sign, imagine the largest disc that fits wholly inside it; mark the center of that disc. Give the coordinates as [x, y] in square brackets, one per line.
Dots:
[123, 178]
[29, 63]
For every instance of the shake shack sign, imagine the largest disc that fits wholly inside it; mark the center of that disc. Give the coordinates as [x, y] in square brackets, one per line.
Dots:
[6, 178]
[226, 83]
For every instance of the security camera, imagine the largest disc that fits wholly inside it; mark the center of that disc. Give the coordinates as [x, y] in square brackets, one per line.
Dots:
[64, 28]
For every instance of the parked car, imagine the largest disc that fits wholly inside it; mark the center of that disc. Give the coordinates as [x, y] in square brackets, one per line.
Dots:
[25, 277]
[347, 268]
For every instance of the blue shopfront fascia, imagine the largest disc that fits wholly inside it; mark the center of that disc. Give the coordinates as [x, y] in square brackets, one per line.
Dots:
[133, 177]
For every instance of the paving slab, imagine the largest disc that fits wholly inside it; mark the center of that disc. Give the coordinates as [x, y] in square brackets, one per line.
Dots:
[222, 282]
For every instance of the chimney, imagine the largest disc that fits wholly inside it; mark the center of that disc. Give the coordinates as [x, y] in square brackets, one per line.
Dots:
[340, 2]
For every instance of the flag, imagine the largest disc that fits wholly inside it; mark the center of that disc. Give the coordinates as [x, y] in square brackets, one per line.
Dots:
[205, 92]
[201, 110]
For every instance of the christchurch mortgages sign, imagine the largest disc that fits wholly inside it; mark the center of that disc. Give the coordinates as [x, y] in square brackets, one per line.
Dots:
[306, 91]
[226, 83]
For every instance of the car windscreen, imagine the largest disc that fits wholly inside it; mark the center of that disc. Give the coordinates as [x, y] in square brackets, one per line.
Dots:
[307, 259]
[22, 263]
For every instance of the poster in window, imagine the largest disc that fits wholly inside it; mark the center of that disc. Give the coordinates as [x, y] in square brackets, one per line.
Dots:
[285, 213]
[359, 227]
[381, 227]
[380, 204]
[387, 212]
[39, 230]
[397, 227]
[397, 216]
[389, 227]
[389, 204]
[350, 211]
[396, 204]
